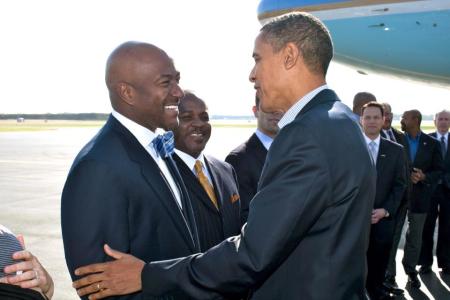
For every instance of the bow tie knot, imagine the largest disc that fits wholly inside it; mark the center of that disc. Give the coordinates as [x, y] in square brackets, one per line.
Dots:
[164, 144]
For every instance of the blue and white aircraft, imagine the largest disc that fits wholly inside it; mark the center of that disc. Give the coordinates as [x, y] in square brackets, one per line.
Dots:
[403, 37]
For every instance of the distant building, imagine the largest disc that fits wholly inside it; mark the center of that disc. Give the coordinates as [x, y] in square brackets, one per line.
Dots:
[20, 120]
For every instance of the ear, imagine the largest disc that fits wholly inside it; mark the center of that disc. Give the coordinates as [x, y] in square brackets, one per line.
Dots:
[291, 55]
[125, 92]
[255, 111]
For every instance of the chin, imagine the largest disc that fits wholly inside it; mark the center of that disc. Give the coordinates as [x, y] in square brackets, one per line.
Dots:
[171, 125]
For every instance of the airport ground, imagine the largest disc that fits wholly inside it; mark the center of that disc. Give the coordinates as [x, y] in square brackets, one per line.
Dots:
[33, 168]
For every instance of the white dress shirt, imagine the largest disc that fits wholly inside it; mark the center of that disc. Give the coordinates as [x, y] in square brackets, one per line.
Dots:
[190, 162]
[264, 139]
[290, 115]
[145, 137]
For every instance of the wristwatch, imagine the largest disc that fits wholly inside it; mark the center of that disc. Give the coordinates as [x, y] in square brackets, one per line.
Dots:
[386, 215]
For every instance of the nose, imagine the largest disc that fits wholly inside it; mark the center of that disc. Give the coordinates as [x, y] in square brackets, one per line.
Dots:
[252, 76]
[177, 91]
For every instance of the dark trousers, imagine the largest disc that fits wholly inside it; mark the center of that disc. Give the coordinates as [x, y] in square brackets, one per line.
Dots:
[440, 207]
[400, 218]
[380, 245]
[413, 242]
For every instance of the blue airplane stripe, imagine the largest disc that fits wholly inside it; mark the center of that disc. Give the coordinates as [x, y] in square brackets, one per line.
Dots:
[270, 5]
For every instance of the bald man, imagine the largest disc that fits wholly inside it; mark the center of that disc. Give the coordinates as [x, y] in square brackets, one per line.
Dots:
[119, 191]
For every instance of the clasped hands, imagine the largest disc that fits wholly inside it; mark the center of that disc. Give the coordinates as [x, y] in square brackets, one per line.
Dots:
[29, 273]
[118, 277]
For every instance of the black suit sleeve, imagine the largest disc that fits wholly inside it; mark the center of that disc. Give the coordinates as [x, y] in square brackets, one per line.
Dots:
[289, 202]
[400, 184]
[437, 166]
[93, 212]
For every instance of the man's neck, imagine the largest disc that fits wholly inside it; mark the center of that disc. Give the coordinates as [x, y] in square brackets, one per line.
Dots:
[372, 136]
[443, 132]
[413, 132]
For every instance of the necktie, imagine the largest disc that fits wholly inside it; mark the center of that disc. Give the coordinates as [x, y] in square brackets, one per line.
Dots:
[391, 135]
[443, 147]
[372, 151]
[205, 182]
[164, 146]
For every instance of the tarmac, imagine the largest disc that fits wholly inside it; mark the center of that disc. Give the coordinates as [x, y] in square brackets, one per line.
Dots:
[33, 169]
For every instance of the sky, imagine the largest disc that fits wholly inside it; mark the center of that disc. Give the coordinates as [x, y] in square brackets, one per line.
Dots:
[53, 55]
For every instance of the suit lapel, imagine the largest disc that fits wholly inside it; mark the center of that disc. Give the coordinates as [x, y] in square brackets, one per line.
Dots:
[382, 156]
[193, 184]
[217, 182]
[422, 148]
[154, 178]
[258, 148]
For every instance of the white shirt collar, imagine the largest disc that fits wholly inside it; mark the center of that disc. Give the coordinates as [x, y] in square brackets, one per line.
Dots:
[189, 160]
[264, 139]
[290, 115]
[144, 135]
[438, 135]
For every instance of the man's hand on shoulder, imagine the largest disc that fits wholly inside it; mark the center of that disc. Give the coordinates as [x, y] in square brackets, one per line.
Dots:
[119, 277]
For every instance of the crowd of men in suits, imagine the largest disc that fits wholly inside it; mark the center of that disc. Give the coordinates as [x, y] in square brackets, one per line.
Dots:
[303, 221]
[412, 168]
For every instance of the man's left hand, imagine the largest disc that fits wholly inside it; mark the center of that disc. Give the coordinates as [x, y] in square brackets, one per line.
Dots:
[378, 214]
[119, 277]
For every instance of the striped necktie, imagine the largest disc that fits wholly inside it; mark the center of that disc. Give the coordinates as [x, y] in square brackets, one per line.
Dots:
[372, 152]
[443, 147]
[204, 182]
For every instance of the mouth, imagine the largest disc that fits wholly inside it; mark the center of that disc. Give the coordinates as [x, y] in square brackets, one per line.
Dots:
[171, 107]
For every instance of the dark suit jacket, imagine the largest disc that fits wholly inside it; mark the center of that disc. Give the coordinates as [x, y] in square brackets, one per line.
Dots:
[308, 226]
[115, 194]
[391, 185]
[213, 225]
[429, 160]
[446, 165]
[248, 161]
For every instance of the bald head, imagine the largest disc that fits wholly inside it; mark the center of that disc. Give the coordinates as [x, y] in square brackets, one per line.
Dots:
[143, 85]
[125, 62]
[361, 99]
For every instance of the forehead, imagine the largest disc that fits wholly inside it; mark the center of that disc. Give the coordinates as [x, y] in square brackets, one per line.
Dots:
[156, 64]
[192, 104]
[443, 115]
[262, 46]
[372, 111]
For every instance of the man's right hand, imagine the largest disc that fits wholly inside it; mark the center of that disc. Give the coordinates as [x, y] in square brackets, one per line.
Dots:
[119, 277]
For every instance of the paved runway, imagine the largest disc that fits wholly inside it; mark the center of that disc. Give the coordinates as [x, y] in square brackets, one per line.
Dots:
[33, 168]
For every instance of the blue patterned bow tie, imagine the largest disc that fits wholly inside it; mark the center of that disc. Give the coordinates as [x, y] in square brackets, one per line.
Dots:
[163, 144]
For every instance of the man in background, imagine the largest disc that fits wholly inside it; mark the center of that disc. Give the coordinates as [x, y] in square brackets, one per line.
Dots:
[426, 163]
[389, 158]
[439, 206]
[211, 183]
[390, 133]
[248, 158]
[359, 100]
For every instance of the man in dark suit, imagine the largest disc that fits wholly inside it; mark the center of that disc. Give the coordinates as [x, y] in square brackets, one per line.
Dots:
[308, 226]
[359, 100]
[248, 158]
[390, 187]
[390, 133]
[119, 191]
[211, 183]
[439, 207]
[426, 163]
